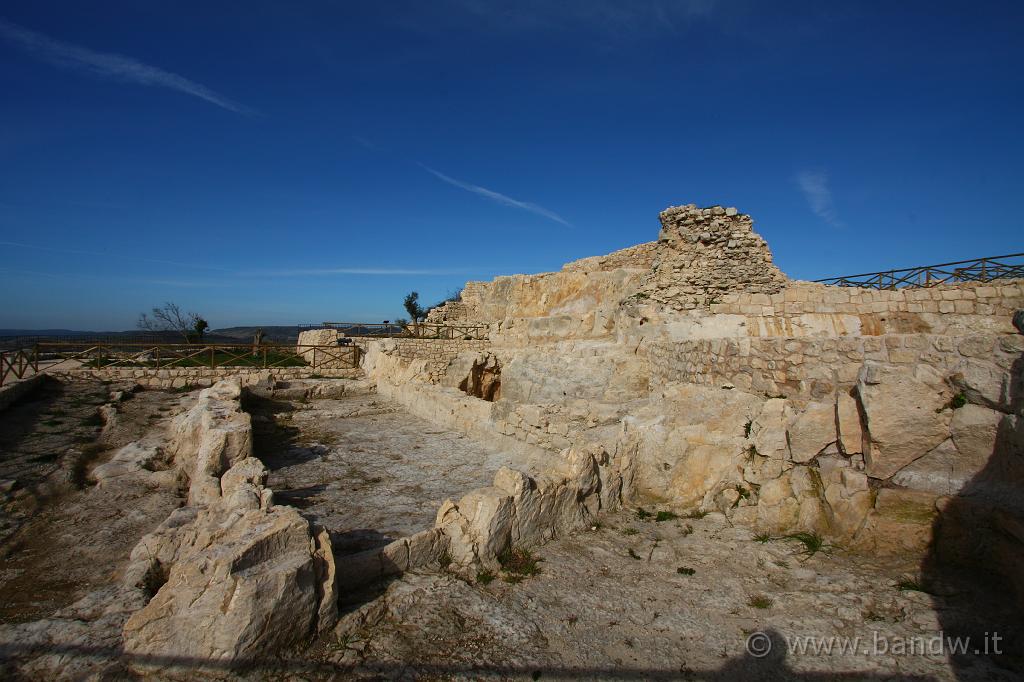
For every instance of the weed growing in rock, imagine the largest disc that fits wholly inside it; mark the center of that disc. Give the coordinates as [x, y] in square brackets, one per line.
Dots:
[759, 601]
[485, 577]
[665, 516]
[812, 542]
[445, 560]
[643, 514]
[633, 555]
[697, 514]
[763, 538]
[685, 570]
[520, 562]
[746, 428]
[630, 530]
[954, 403]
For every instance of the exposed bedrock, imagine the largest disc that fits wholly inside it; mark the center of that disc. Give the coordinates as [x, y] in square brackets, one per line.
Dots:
[231, 575]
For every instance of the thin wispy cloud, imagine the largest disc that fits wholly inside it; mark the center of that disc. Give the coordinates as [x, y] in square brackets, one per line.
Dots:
[110, 256]
[78, 277]
[814, 185]
[498, 197]
[299, 272]
[321, 272]
[363, 142]
[109, 65]
[612, 19]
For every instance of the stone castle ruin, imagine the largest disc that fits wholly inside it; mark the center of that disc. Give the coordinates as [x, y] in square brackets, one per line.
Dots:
[687, 374]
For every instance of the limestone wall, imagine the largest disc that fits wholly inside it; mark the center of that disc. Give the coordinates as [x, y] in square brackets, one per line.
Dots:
[181, 377]
[639, 257]
[887, 421]
[815, 367]
[433, 354]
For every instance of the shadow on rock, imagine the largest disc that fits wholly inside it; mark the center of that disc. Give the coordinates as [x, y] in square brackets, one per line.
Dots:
[974, 568]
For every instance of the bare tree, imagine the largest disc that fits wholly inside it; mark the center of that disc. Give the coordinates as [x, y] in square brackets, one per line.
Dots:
[171, 318]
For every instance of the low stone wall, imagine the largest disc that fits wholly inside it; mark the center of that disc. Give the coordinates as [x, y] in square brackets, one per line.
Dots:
[436, 353]
[13, 392]
[181, 377]
[813, 367]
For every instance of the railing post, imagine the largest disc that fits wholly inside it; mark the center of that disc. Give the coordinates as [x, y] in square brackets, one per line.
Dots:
[212, 366]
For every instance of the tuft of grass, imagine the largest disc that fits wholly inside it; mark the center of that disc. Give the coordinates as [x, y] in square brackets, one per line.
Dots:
[759, 601]
[485, 577]
[519, 561]
[630, 530]
[697, 514]
[746, 428]
[958, 401]
[910, 584]
[812, 542]
[634, 555]
[643, 514]
[665, 516]
[763, 538]
[445, 560]
[685, 570]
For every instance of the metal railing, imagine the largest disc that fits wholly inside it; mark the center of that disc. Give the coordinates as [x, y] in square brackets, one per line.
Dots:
[987, 269]
[423, 330]
[63, 356]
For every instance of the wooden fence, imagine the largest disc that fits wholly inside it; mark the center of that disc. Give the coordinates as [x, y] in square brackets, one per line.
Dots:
[50, 356]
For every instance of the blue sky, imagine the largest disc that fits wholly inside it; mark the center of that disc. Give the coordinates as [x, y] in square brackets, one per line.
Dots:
[277, 163]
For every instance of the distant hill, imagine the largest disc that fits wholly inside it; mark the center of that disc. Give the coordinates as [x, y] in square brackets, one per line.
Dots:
[272, 334]
[279, 334]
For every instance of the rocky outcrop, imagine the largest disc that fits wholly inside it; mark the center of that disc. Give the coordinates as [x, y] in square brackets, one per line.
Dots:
[210, 438]
[907, 415]
[241, 586]
[232, 577]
